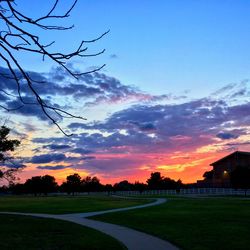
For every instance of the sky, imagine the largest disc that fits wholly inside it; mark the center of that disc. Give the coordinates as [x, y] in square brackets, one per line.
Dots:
[173, 96]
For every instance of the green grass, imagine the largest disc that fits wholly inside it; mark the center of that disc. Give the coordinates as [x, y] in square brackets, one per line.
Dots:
[63, 205]
[26, 233]
[195, 224]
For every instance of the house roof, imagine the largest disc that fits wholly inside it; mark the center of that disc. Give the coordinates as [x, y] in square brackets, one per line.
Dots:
[230, 155]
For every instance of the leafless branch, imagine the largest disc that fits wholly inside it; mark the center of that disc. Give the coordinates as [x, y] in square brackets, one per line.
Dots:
[16, 38]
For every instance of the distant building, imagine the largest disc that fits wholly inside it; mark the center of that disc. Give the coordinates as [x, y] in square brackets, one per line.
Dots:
[224, 166]
[219, 176]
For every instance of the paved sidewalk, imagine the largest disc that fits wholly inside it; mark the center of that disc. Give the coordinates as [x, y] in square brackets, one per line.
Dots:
[154, 203]
[132, 239]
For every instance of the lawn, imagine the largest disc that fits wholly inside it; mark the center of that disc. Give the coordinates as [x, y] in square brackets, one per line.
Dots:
[197, 224]
[63, 205]
[26, 233]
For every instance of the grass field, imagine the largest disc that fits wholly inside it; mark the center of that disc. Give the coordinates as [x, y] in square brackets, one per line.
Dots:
[26, 233]
[63, 205]
[197, 224]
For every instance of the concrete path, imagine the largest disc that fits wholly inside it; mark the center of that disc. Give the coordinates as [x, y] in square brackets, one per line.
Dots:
[132, 239]
[154, 203]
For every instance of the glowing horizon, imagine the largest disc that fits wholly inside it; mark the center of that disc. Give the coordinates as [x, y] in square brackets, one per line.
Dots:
[173, 98]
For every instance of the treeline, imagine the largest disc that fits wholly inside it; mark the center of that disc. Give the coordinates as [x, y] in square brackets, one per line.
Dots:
[43, 185]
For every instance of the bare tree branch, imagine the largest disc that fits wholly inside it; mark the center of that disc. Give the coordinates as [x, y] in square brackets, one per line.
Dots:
[16, 38]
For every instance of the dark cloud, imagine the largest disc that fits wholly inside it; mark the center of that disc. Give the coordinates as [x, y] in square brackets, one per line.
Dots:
[226, 136]
[77, 125]
[234, 91]
[47, 158]
[29, 127]
[81, 151]
[57, 158]
[96, 85]
[56, 167]
[3, 97]
[239, 114]
[145, 126]
[6, 83]
[29, 107]
[238, 143]
[13, 164]
[54, 140]
[161, 128]
[113, 56]
[87, 158]
[91, 89]
[56, 147]
[148, 127]
[26, 110]
[168, 119]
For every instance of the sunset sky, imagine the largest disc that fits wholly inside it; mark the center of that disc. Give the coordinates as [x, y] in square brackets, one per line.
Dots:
[174, 95]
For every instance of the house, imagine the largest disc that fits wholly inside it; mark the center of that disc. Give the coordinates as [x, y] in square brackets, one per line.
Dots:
[224, 166]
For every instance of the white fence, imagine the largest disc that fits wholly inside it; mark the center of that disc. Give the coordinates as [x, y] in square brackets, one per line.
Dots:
[188, 191]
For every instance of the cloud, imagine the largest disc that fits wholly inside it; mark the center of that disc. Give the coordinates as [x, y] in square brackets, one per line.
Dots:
[49, 140]
[146, 133]
[56, 167]
[113, 56]
[77, 125]
[13, 164]
[149, 134]
[26, 110]
[89, 90]
[161, 128]
[239, 143]
[234, 92]
[92, 89]
[87, 158]
[58, 158]
[97, 86]
[47, 158]
[56, 147]
[226, 136]
[81, 151]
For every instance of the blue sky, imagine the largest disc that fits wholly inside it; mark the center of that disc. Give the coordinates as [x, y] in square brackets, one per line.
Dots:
[168, 46]
[173, 97]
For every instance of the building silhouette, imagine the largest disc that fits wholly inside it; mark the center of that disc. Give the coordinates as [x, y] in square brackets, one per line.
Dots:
[219, 176]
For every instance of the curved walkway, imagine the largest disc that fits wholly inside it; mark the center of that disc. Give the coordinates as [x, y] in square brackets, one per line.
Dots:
[154, 203]
[132, 239]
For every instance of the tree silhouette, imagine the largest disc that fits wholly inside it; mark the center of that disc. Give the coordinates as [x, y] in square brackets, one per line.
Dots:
[16, 38]
[40, 185]
[49, 184]
[123, 186]
[108, 188]
[91, 184]
[139, 186]
[72, 184]
[34, 185]
[155, 181]
[6, 146]
[208, 175]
